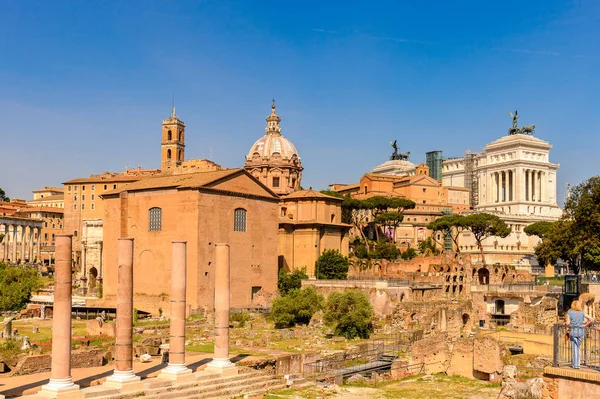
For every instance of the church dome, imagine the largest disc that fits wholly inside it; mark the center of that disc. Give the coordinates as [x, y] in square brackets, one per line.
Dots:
[273, 142]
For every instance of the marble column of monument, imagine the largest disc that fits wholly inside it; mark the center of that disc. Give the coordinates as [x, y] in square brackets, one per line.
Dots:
[123, 373]
[176, 368]
[60, 377]
[221, 362]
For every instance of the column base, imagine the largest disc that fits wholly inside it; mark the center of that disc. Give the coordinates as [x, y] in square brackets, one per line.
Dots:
[176, 372]
[58, 387]
[224, 366]
[123, 380]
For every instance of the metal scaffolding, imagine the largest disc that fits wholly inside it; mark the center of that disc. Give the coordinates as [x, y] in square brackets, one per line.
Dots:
[471, 181]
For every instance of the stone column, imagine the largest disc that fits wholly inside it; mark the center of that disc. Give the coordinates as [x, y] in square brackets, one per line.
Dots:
[23, 243]
[84, 259]
[30, 245]
[527, 189]
[14, 244]
[176, 365]
[100, 263]
[123, 373]
[221, 362]
[5, 244]
[38, 245]
[60, 377]
[539, 186]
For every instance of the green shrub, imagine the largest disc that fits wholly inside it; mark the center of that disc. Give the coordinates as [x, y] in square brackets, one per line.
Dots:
[240, 317]
[351, 313]
[385, 250]
[332, 265]
[361, 251]
[287, 282]
[297, 307]
[409, 254]
[16, 285]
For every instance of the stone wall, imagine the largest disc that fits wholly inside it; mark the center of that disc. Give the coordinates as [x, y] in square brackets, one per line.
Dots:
[478, 357]
[42, 363]
[559, 383]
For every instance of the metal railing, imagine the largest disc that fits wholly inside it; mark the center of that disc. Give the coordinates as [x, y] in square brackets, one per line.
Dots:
[589, 349]
[389, 345]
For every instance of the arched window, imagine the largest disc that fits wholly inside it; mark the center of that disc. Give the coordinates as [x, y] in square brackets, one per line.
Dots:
[169, 135]
[168, 154]
[239, 220]
[180, 136]
[180, 157]
[155, 219]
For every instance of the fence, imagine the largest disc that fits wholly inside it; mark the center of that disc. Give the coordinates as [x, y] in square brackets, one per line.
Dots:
[589, 349]
[390, 345]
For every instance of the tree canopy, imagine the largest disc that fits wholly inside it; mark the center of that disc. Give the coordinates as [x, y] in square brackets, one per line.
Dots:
[16, 285]
[539, 229]
[287, 282]
[484, 225]
[351, 313]
[576, 236]
[332, 265]
[449, 224]
[3, 197]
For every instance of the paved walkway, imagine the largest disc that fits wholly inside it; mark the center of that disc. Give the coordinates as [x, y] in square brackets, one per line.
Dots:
[84, 377]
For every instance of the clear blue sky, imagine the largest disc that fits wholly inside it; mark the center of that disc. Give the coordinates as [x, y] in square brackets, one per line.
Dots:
[86, 84]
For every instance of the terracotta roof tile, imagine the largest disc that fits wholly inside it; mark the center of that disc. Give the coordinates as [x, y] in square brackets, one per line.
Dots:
[309, 194]
[189, 180]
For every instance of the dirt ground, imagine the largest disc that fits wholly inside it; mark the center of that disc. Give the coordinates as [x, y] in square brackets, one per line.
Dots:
[440, 387]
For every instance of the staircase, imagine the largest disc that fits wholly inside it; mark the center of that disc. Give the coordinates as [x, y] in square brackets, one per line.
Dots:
[250, 383]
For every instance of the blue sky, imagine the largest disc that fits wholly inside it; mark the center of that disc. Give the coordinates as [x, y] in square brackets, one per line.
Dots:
[86, 84]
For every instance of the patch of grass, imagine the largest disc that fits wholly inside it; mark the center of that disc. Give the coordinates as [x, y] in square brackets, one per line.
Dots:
[9, 350]
[207, 348]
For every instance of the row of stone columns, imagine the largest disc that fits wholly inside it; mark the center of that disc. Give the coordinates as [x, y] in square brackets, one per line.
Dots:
[61, 381]
[516, 185]
[16, 236]
[534, 185]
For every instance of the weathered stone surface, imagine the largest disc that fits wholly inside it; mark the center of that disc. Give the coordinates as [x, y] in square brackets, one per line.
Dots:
[486, 356]
[145, 358]
[431, 355]
[509, 373]
[531, 389]
[42, 363]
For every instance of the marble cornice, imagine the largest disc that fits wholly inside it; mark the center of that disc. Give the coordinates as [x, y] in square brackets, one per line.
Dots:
[518, 163]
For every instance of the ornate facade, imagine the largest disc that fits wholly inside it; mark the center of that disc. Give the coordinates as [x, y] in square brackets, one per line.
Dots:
[273, 159]
[513, 178]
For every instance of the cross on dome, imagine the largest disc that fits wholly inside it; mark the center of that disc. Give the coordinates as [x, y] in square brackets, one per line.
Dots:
[273, 121]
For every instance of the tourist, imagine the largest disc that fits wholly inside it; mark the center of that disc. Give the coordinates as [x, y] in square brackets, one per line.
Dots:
[576, 320]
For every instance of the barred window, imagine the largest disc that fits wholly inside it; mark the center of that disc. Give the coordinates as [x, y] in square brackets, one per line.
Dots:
[239, 220]
[155, 216]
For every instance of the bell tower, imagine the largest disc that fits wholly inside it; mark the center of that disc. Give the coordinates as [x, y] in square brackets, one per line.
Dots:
[173, 143]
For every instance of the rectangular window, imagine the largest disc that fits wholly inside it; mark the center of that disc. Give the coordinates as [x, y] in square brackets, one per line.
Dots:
[46, 236]
[105, 186]
[92, 206]
[82, 188]
[93, 197]
[114, 186]
[276, 182]
[75, 207]
[93, 187]
[82, 207]
[83, 197]
[155, 219]
[69, 188]
[239, 220]
[75, 188]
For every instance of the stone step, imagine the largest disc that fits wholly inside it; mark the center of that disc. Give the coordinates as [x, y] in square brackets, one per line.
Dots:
[236, 392]
[212, 386]
[159, 386]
